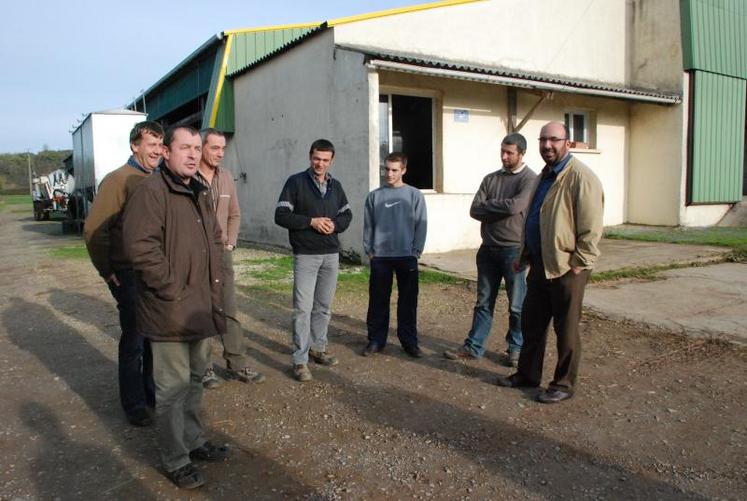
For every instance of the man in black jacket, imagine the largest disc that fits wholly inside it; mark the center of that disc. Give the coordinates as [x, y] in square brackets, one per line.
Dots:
[314, 209]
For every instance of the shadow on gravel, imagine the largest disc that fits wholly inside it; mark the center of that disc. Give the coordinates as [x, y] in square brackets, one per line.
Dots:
[88, 309]
[352, 336]
[97, 472]
[549, 468]
[66, 353]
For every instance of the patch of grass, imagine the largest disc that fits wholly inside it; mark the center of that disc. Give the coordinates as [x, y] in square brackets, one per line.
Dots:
[276, 273]
[723, 237]
[70, 252]
[643, 273]
[15, 203]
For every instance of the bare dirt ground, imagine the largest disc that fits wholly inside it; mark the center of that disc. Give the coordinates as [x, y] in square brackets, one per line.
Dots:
[656, 416]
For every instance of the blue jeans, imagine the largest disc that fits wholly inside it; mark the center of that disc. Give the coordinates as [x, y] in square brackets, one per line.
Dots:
[379, 293]
[135, 361]
[493, 265]
[314, 284]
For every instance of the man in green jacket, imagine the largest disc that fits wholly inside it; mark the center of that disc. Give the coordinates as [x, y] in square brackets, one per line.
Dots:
[560, 246]
[103, 236]
[174, 243]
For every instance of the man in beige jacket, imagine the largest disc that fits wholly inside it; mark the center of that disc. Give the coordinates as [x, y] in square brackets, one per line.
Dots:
[560, 246]
[223, 194]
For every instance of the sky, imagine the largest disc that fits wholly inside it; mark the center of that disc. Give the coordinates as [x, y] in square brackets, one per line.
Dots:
[60, 60]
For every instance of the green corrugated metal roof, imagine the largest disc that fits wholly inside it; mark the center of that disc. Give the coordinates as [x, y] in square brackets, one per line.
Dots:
[714, 36]
[248, 48]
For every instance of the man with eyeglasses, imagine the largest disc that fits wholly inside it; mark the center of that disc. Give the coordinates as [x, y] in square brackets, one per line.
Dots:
[561, 237]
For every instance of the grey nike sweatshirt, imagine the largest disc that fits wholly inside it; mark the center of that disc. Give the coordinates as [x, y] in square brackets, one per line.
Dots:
[395, 222]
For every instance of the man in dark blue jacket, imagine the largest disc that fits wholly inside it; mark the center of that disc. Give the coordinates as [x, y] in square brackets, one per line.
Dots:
[314, 209]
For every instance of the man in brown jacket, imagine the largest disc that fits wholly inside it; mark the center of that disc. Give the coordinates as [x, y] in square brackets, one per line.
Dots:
[103, 236]
[561, 246]
[222, 189]
[174, 243]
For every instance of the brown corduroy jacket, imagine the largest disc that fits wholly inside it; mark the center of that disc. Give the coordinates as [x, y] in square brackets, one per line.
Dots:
[174, 243]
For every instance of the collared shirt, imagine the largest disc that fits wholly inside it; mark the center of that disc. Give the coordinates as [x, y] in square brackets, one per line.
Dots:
[532, 226]
[516, 170]
[322, 185]
[132, 162]
[212, 187]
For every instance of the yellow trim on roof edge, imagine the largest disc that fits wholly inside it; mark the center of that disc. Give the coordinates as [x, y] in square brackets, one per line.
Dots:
[221, 80]
[271, 28]
[399, 10]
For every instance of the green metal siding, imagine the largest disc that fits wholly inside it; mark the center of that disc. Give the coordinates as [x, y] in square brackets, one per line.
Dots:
[224, 118]
[190, 83]
[250, 47]
[717, 147]
[714, 36]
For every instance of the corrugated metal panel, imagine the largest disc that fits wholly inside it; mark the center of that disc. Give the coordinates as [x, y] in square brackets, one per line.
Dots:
[224, 118]
[717, 149]
[250, 47]
[192, 81]
[714, 36]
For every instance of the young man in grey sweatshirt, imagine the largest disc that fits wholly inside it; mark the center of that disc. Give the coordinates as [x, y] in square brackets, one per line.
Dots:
[394, 228]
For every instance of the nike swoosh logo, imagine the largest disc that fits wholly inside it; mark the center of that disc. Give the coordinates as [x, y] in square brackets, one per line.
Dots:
[387, 205]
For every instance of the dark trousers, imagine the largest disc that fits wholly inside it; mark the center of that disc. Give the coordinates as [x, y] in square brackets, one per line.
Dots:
[379, 292]
[136, 388]
[559, 299]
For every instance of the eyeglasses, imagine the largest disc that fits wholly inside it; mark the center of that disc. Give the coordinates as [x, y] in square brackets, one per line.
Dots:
[552, 139]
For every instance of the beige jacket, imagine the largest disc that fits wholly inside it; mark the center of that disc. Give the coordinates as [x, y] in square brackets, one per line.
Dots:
[570, 221]
[225, 203]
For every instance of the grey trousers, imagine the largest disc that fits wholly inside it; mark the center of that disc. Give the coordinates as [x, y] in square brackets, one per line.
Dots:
[314, 284]
[177, 371]
[233, 339]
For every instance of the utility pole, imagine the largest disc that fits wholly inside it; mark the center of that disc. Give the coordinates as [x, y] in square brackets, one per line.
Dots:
[31, 184]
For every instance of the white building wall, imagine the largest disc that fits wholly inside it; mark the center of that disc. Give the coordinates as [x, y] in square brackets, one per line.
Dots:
[282, 106]
[578, 38]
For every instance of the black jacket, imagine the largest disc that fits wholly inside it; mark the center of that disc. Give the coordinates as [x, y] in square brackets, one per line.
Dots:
[300, 201]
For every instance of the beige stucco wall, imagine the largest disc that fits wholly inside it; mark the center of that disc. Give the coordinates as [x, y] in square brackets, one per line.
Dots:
[282, 106]
[577, 38]
[471, 150]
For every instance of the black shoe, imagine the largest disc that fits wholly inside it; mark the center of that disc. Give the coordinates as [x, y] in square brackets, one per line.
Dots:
[413, 351]
[209, 452]
[370, 349]
[553, 396]
[186, 477]
[515, 381]
[140, 417]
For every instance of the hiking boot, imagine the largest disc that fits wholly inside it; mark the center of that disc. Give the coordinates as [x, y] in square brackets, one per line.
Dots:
[301, 372]
[186, 477]
[245, 375]
[460, 354]
[322, 358]
[209, 452]
[209, 380]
